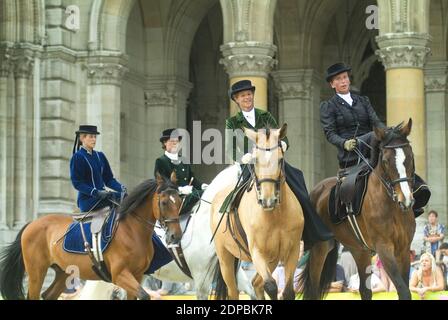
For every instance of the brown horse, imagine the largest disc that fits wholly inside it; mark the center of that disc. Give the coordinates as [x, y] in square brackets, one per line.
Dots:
[387, 221]
[273, 227]
[36, 247]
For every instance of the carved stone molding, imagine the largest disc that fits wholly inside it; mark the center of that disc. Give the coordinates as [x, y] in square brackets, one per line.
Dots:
[294, 84]
[248, 59]
[6, 63]
[166, 91]
[436, 73]
[105, 73]
[23, 63]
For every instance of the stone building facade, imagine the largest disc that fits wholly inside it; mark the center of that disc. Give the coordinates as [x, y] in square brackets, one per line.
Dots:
[136, 67]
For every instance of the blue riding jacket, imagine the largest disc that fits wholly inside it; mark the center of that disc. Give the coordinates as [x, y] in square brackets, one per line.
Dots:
[89, 173]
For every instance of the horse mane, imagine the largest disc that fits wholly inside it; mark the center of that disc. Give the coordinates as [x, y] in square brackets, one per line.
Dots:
[391, 133]
[137, 196]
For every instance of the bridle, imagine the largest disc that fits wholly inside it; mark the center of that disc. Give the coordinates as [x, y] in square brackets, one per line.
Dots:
[389, 183]
[277, 182]
[163, 221]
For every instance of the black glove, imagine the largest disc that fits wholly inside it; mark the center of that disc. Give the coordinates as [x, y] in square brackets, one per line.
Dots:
[103, 194]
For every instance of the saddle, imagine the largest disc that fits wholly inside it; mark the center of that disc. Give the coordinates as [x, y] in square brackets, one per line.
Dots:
[347, 196]
[92, 235]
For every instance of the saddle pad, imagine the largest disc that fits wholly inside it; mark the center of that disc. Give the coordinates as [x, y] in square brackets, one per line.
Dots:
[74, 243]
[339, 214]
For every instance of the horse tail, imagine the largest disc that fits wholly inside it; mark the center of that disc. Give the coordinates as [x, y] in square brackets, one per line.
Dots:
[307, 286]
[221, 292]
[12, 270]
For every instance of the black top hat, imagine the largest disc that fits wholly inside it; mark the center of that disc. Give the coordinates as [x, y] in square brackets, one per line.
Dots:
[87, 129]
[240, 86]
[336, 69]
[170, 133]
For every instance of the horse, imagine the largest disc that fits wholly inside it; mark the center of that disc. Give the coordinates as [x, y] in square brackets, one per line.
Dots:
[197, 248]
[273, 227]
[387, 222]
[128, 256]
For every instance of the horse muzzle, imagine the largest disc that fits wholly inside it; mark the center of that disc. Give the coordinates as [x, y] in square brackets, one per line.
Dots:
[268, 204]
[172, 240]
[406, 207]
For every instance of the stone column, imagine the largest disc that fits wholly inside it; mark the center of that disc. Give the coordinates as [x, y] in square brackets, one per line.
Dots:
[6, 120]
[403, 56]
[437, 138]
[104, 107]
[298, 93]
[23, 144]
[253, 61]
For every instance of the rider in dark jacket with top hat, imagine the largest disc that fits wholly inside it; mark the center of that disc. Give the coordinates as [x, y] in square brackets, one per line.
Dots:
[171, 161]
[348, 120]
[239, 150]
[90, 173]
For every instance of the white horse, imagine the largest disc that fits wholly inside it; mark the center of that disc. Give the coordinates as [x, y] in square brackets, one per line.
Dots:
[198, 249]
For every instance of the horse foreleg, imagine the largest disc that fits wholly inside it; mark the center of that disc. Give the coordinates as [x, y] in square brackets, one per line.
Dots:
[265, 271]
[257, 283]
[363, 263]
[290, 268]
[391, 266]
[57, 287]
[227, 265]
[126, 280]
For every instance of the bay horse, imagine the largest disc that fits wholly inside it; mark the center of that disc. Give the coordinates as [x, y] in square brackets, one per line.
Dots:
[387, 221]
[271, 217]
[128, 256]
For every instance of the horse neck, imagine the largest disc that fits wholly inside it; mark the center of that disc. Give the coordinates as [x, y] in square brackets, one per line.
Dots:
[144, 214]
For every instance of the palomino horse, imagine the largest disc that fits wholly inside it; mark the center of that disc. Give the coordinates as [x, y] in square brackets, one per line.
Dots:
[273, 228]
[199, 252]
[387, 221]
[129, 255]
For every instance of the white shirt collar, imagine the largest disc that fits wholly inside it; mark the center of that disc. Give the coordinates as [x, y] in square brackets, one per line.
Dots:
[250, 116]
[89, 152]
[347, 97]
[172, 156]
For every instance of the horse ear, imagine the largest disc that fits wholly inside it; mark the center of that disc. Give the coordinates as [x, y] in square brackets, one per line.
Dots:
[406, 130]
[283, 130]
[251, 134]
[159, 179]
[173, 177]
[379, 133]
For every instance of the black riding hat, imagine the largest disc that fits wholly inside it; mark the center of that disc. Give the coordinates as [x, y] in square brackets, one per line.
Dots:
[336, 69]
[240, 86]
[83, 129]
[87, 129]
[170, 133]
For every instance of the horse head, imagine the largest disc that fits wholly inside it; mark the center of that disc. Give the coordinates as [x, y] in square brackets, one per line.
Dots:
[396, 161]
[168, 208]
[268, 164]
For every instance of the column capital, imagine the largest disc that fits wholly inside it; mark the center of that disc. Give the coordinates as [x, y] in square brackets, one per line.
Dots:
[403, 50]
[108, 67]
[436, 73]
[295, 84]
[105, 73]
[248, 59]
[164, 91]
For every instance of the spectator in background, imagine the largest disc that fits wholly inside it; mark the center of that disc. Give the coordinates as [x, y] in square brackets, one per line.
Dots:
[433, 233]
[280, 279]
[339, 282]
[428, 277]
[348, 264]
[442, 261]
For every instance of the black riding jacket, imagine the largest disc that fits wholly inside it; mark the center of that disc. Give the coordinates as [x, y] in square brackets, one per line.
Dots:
[342, 122]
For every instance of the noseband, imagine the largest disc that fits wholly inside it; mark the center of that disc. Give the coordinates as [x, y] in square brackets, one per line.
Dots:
[389, 183]
[163, 221]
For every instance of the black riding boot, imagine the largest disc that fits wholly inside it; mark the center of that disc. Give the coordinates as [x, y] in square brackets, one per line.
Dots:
[421, 195]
